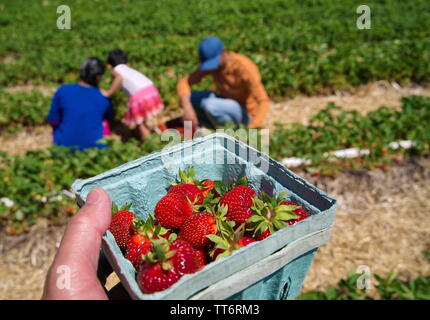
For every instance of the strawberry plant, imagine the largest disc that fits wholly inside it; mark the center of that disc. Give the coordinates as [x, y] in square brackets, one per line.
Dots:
[35, 181]
[333, 129]
[312, 43]
[388, 288]
[21, 109]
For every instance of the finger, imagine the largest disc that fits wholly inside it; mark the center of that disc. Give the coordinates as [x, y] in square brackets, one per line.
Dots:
[79, 251]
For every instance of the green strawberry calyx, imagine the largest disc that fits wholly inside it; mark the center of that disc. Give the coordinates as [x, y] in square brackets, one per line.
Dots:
[125, 207]
[160, 252]
[147, 227]
[224, 226]
[270, 213]
[186, 176]
[227, 243]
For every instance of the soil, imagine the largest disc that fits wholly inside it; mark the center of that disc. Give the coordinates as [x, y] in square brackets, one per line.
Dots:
[364, 99]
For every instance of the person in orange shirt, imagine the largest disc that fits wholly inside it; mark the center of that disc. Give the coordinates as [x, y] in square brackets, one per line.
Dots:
[240, 96]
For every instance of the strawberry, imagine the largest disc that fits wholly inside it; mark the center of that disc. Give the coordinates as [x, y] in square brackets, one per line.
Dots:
[298, 212]
[172, 210]
[191, 191]
[188, 186]
[184, 259]
[201, 258]
[196, 227]
[138, 245]
[239, 202]
[244, 241]
[272, 214]
[206, 186]
[121, 225]
[263, 235]
[152, 277]
[165, 264]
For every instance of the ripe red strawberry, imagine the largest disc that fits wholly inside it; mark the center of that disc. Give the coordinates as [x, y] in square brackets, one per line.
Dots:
[206, 186]
[152, 277]
[138, 245]
[239, 202]
[188, 186]
[201, 258]
[244, 241]
[196, 227]
[263, 235]
[191, 191]
[184, 259]
[298, 212]
[165, 264]
[172, 210]
[271, 215]
[121, 225]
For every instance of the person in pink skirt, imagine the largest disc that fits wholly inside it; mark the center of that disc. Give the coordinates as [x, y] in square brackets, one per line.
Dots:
[144, 100]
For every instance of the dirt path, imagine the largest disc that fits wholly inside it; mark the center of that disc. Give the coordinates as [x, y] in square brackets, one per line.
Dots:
[365, 98]
[298, 110]
[381, 222]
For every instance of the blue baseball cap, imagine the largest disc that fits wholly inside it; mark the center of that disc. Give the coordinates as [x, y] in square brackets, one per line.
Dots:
[210, 49]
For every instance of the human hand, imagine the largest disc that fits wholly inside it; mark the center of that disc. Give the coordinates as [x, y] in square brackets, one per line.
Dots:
[73, 274]
[189, 113]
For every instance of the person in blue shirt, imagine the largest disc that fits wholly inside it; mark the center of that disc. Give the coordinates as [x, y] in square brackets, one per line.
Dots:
[78, 110]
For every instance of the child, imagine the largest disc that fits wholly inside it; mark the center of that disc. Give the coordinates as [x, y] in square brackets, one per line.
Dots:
[144, 100]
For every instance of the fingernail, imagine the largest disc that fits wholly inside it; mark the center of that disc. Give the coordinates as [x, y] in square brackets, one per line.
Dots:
[93, 197]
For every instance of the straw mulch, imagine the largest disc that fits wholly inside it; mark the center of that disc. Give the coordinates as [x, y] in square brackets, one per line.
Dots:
[365, 98]
[25, 260]
[382, 222]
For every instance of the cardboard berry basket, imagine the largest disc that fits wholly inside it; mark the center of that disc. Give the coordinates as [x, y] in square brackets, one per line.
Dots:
[274, 268]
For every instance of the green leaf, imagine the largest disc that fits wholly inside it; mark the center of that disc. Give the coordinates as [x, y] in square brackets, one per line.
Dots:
[220, 187]
[283, 195]
[285, 216]
[279, 224]
[226, 253]
[216, 239]
[242, 181]
[255, 218]
[173, 237]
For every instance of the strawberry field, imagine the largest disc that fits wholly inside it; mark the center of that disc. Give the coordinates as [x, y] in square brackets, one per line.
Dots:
[34, 182]
[313, 42]
[308, 47]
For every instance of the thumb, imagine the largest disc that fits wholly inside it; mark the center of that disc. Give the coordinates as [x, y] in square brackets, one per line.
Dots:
[78, 254]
